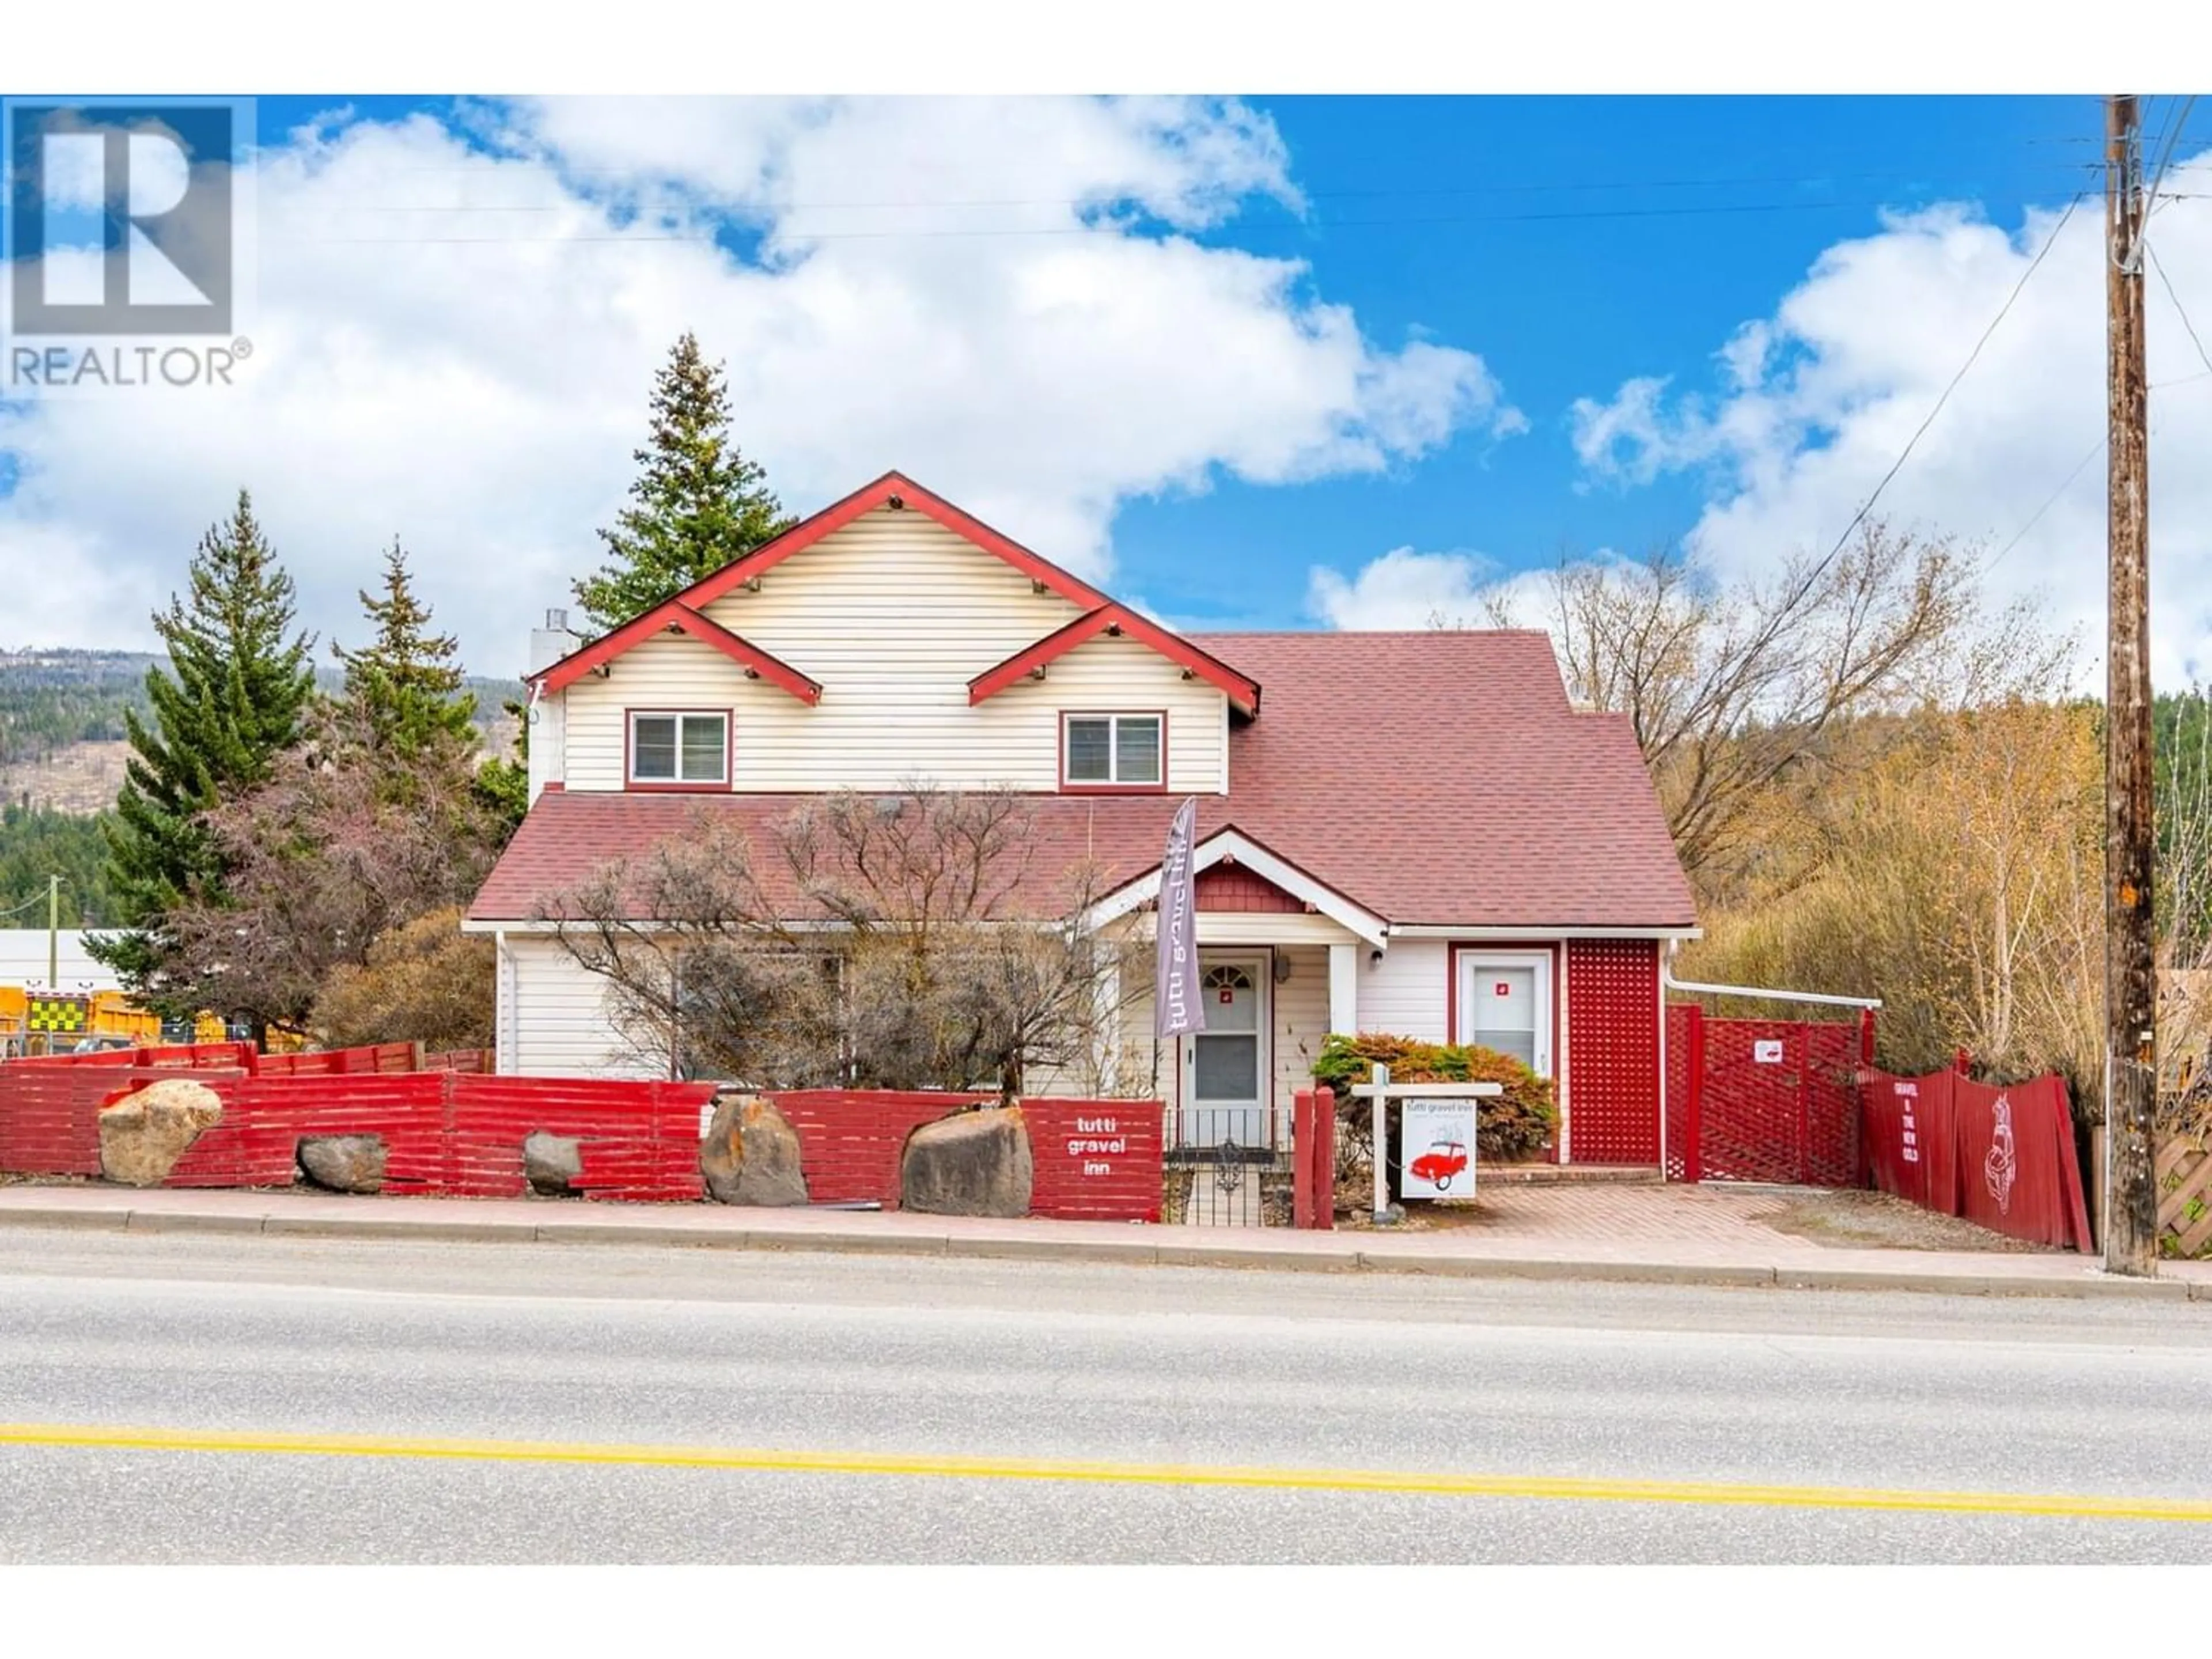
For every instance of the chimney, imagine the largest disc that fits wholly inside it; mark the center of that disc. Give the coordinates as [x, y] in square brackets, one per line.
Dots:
[548, 644]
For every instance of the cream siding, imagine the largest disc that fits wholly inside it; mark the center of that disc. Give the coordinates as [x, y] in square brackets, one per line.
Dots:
[1301, 1020]
[558, 1024]
[1404, 993]
[893, 616]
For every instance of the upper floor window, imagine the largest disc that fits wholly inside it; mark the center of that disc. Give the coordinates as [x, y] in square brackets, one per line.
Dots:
[679, 750]
[1114, 751]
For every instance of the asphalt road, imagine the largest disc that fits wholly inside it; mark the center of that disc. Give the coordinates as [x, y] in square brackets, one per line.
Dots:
[203, 1399]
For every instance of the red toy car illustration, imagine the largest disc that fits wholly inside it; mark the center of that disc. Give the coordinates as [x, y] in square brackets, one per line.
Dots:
[1444, 1160]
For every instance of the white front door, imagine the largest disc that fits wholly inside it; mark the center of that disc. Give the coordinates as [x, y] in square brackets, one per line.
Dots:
[1505, 1004]
[1224, 1082]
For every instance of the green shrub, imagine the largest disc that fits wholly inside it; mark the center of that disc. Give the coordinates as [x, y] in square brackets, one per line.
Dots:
[1512, 1126]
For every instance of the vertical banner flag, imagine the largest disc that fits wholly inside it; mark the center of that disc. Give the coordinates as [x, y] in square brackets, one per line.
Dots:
[1176, 1009]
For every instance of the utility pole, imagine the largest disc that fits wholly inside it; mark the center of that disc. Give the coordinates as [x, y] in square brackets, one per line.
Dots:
[2130, 967]
[53, 934]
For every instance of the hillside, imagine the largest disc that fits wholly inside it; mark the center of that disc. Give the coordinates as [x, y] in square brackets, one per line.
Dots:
[62, 742]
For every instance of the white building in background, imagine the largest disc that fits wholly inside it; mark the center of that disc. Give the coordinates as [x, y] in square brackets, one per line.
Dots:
[23, 960]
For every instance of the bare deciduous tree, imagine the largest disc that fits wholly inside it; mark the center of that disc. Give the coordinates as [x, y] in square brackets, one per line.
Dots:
[1729, 686]
[329, 855]
[879, 941]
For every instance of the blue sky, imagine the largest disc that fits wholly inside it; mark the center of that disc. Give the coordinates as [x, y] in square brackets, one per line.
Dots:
[1500, 342]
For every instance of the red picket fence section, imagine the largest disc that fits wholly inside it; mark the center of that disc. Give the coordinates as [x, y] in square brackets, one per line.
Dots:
[385, 1058]
[455, 1131]
[849, 1139]
[2001, 1157]
[1764, 1100]
[189, 1056]
[638, 1141]
[1096, 1160]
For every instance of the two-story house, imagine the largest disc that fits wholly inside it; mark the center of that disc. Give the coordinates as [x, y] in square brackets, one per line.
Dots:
[1410, 832]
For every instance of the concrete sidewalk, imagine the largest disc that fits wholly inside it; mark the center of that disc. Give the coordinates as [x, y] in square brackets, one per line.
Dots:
[1710, 1255]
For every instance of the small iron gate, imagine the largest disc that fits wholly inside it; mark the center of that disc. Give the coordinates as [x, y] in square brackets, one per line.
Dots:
[1226, 1167]
[1764, 1100]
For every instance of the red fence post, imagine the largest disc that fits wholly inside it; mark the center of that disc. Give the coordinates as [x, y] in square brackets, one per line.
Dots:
[1858, 1089]
[1694, 1156]
[1323, 1198]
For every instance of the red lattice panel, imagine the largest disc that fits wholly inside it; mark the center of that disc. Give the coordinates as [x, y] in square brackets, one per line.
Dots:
[1791, 1119]
[1613, 1051]
[1682, 1035]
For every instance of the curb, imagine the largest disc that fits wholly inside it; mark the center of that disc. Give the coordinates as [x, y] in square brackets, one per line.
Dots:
[2090, 1285]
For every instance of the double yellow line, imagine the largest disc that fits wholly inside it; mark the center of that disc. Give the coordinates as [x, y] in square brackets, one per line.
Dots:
[100, 1437]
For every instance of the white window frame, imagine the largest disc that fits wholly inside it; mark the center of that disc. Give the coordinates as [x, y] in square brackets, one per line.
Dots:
[721, 716]
[1113, 719]
[1549, 1033]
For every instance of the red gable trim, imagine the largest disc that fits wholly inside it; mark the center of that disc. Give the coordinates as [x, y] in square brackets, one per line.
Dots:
[915, 498]
[674, 614]
[1109, 618]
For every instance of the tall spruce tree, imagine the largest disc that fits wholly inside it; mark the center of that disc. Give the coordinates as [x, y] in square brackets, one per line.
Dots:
[406, 686]
[235, 695]
[697, 503]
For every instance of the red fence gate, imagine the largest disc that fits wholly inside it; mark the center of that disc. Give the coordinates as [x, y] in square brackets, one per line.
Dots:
[1767, 1100]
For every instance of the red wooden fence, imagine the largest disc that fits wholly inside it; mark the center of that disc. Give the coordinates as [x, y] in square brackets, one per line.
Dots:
[459, 1133]
[2001, 1157]
[1097, 1160]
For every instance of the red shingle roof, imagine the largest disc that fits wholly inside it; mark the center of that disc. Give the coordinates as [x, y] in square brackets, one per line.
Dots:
[1438, 777]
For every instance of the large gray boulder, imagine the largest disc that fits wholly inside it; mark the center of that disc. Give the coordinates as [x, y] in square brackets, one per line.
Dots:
[343, 1164]
[750, 1154]
[552, 1164]
[970, 1163]
[142, 1136]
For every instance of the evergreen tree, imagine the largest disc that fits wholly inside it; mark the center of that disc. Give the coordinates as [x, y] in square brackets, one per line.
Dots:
[234, 697]
[697, 504]
[406, 687]
[504, 781]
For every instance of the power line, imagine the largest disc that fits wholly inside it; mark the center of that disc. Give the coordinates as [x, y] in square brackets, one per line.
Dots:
[2096, 450]
[1725, 182]
[2173, 141]
[1243, 228]
[2034, 265]
[2167, 284]
[2051, 500]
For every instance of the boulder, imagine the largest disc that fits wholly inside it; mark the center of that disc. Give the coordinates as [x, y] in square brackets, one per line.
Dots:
[143, 1135]
[970, 1163]
[343, 1164]
[750, 1154]
[552, 1164]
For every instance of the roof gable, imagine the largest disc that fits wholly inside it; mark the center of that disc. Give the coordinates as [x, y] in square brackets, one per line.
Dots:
[677, 617]
[1117, 620]
[897, 492]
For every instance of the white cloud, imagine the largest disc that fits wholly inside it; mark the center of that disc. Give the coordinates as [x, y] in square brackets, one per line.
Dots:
[1405, 589]
[456, 346]
[1813, 405]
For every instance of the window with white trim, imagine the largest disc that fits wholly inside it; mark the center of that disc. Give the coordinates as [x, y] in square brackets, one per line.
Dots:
[679, 748]
[1101, 750]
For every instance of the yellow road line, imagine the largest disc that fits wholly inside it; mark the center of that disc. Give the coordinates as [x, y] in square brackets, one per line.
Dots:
[956, 1467]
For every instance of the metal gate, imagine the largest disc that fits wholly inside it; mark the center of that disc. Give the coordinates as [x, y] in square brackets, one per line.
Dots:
[1226, 1167]
[1764, 1100]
